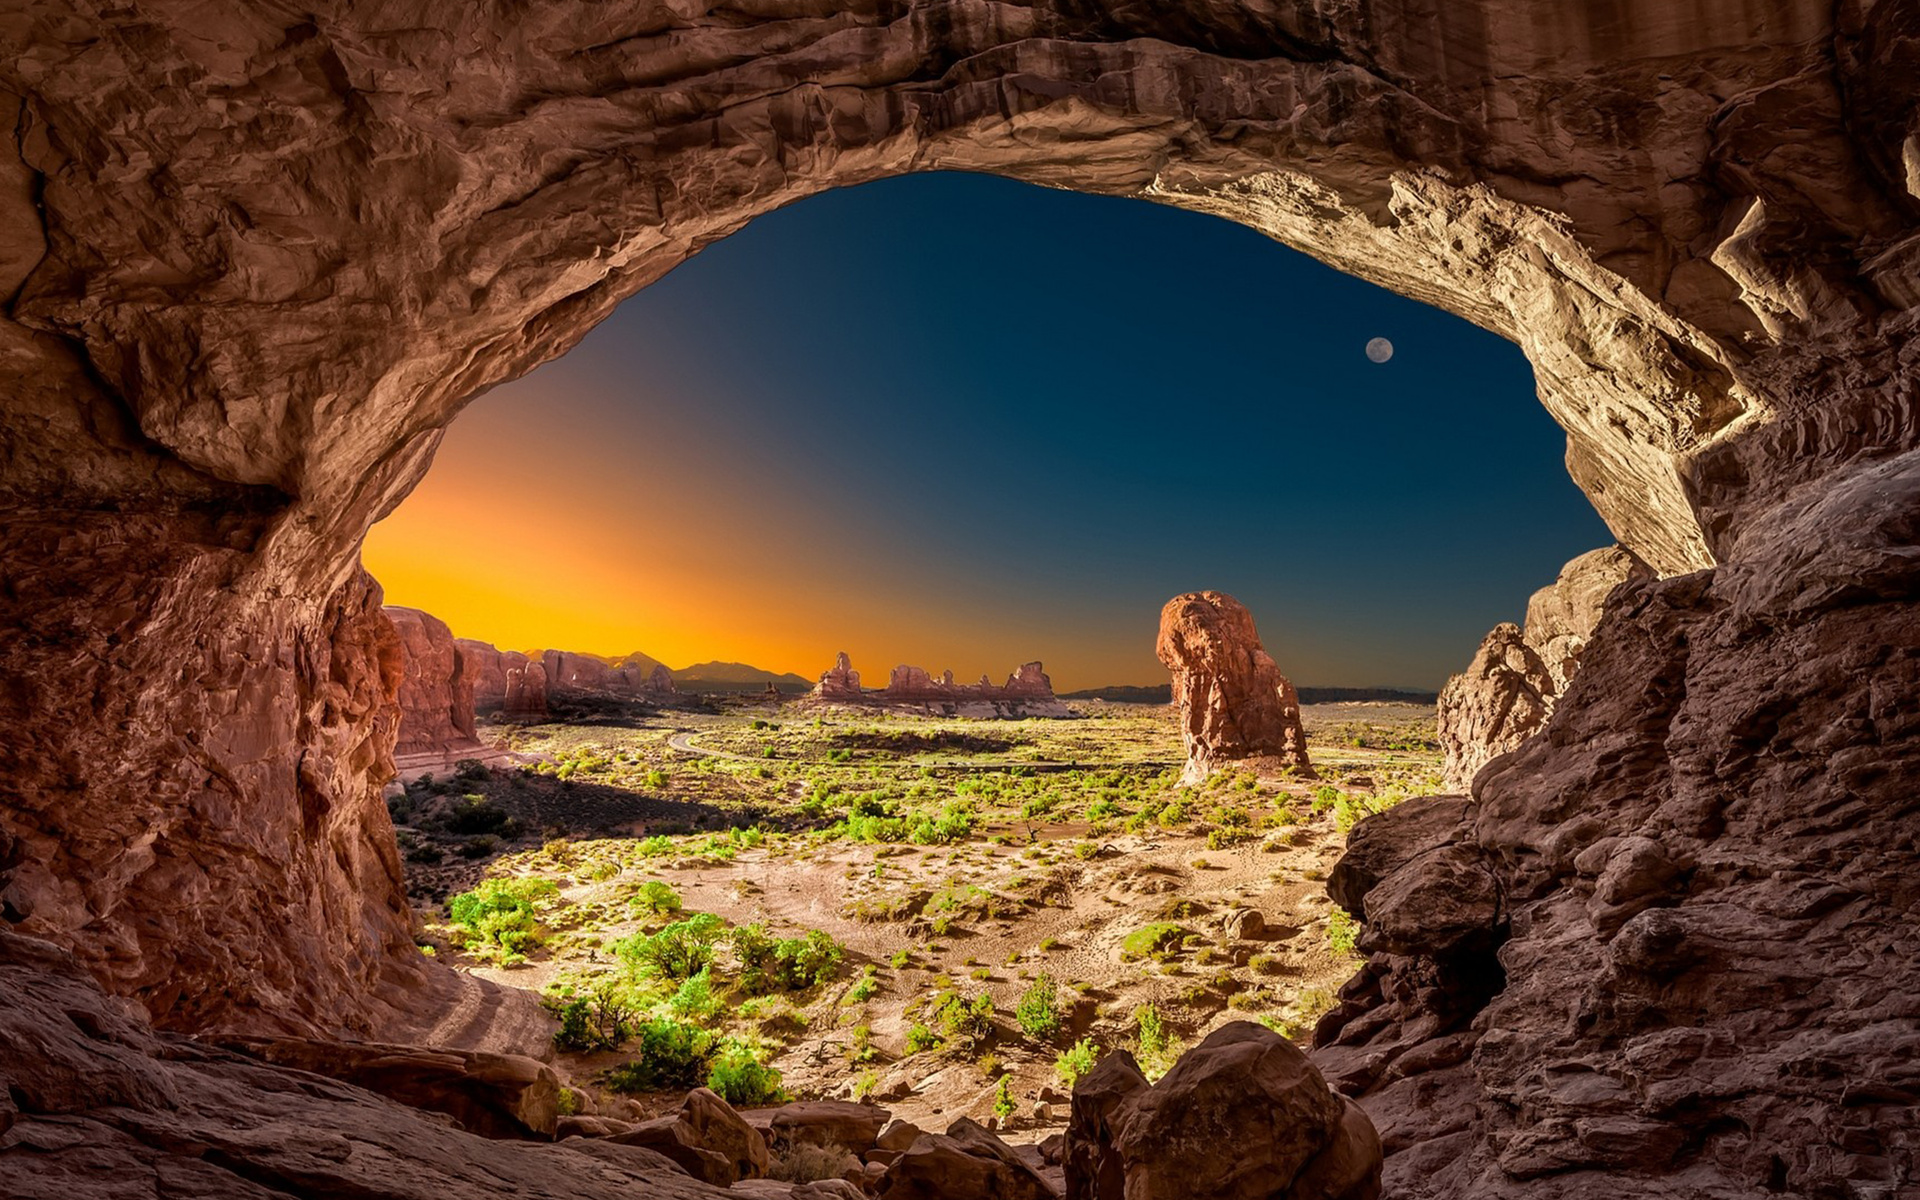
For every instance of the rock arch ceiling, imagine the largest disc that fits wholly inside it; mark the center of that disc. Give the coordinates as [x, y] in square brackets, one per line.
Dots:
[255, 260]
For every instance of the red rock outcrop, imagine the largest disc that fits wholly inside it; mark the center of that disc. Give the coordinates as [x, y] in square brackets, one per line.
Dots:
[1027, 693]
[1670, 987]
[839, 683]
[1499, 701]
[493, 1095]
[1236, 708]
[1241, 1116]
[96, 1106]
[1505, 695]
[253, 260]
[436, 697]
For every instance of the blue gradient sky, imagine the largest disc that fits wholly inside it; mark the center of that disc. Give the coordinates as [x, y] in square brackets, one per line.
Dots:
[963, 422]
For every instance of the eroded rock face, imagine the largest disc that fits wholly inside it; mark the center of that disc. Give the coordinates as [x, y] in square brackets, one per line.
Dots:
[1236, 708]
[1498, 702]
[1518, 674]
[1691, 858]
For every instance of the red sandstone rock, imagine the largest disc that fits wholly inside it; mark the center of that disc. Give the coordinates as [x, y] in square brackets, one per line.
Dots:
[1241, 1116]
[966, 1163]
[706, 1138]
[1236, 708]
[436, 697]
[1507, 692]
[1500, 701]
[493, 1095]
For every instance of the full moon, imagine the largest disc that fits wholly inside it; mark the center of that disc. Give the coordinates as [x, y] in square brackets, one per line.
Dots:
[1379, 350]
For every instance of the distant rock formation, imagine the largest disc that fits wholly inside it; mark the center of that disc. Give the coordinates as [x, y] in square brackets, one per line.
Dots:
[1026, 693]
[1236, 708]
[1509, 690]
[446, 681]
[436, 698]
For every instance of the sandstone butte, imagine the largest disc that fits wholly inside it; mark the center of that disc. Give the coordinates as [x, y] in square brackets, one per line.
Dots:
[254, 260]
[1236, 708]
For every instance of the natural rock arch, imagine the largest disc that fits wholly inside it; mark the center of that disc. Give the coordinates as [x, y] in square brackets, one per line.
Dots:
[253, 265]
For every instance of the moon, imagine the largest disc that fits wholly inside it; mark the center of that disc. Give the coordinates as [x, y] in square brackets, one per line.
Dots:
[1379, 350]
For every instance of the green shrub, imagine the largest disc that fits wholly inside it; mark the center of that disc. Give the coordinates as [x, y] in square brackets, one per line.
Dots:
[769, 964]
[1004, 1104]
[656, 897]
[1342, 931]
[677, 953]
[1155, 1047]
[1039, 1010]
[695, 999]
[477, 814]
[1074, 1062]
[1151, 939]
[599, 1019]
[673, 1054]
[964, 1023]
[741, 1079]
[921, 1037]
[499, 914]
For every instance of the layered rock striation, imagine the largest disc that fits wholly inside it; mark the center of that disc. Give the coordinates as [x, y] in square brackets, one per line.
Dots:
[1026, 693]
[1236, 708]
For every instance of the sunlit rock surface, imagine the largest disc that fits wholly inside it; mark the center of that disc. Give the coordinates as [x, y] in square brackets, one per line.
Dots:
[1517, 676]
[1236, 708]
[253, 260]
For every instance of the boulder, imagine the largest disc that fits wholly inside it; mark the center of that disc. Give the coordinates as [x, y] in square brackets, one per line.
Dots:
[493, 1095]
[1091, 1159]
[852, 1127]
[1244, 924]
[1236, 708]
[898, 1136]
[966, 1163]
[1383, 843]
[1245, 1088]
[706, 1138]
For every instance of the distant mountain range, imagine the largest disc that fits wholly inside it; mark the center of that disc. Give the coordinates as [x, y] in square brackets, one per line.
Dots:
[736, 677]
[1163, 694]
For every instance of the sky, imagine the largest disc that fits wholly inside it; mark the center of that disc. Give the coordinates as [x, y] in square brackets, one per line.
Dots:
[959, 421]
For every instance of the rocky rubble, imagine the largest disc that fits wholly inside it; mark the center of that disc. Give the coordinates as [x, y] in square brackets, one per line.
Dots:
[1236, 708]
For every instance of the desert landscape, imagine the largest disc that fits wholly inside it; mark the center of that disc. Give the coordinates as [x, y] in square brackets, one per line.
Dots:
[304, 894]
